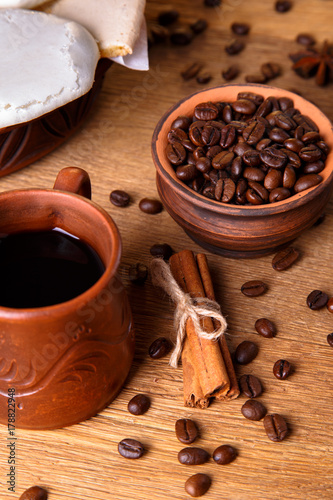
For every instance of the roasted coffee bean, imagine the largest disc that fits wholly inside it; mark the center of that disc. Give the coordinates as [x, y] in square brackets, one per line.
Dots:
[317, 300]
[306, 182]
[193, 456]
[329, 305]
[161, 250]
[182, 122]
[198, 153]
[227, 113]
[234, 47]
[324, 148]
[279, 194]
[282, 369]
[306, 123]
[177, 135]
[256, 78]
[206, 111]
[329, 339]
[285, 103]
[159, 348]
[223, 160]
[283, 121]
[273, 157]
[199, 26]
[130, 448]
[203, 78]
[239, 125]
[264, 143]
[310, 153]
[157, 34]
[168, 17]
[225, 190]
[227, 136]
[120, 198]
[283, 5]
[310, 137]
[191, 71]
[190, 147]
[250, 386]
[251, 157]
[224, 454]
[34, 493]
[265, 327]
[150, 206]
[273, 179]
[285, 258]
[254, 288]
[181, 36]
[251, 96]
[293, 144]
[241, 189]
[213, 151]
[198, 484]
[186, 430]
[257, 193]
[278, 135]
[305, 39]
[138, 273]
[236, 168]
[270, 70]
[210, 135]
[240, 28]
[275, 427]
[176, 153]
[230, 73]
[253, 174]
[253, 133]
[253, 410]
[195, 134]
[139, 404]
[289, 177]
[187, 172]
[313, 168]
[244, 106]
[245, 352]
[203, 165]
[209, 192]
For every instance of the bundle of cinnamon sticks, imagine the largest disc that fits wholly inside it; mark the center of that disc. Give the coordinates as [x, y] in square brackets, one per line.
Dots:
[208, 370]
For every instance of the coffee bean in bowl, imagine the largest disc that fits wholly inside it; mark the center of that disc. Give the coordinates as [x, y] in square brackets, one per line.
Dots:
[242, 170]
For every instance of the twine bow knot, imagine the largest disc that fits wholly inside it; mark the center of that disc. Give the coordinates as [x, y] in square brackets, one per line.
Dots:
[186, 307]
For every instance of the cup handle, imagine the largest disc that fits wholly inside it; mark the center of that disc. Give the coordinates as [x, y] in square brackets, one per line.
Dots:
[75, 180]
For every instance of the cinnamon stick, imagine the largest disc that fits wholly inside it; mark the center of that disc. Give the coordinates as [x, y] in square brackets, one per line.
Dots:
[233, 391]
[205, 373]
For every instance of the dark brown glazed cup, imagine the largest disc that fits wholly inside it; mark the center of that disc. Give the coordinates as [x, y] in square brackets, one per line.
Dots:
[66, 362]
[231, 230]
[21, 145]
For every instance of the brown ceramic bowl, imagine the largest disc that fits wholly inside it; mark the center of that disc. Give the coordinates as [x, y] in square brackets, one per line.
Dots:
[234, 230]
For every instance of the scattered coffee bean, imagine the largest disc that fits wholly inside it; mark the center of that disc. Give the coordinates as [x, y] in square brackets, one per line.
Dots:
[199, 26]
[181, 36]
[234, 47]
[191, 71]
[150, 206]
[168, 17]
[250, 386]
[161, 250]
[130, 448]
[265, 327]
[270, 70]
[283, 5]
[159, 348]
[317, 300]
[224, 454]
[204, 78]
[329, 305]
[230, 73]
[157, 34]
[119, 198]
[198, 484]
[285, 258]
[212, 3]
[305, 39]
[138, 273]
[276, 427]
[330, 339]
[282, 369]
[256, 78]
[253, 410]
[139, 404]
[245, 352]
[193, 456]
[254, 288]
[240, 28]
[34, 493]
[186, 430]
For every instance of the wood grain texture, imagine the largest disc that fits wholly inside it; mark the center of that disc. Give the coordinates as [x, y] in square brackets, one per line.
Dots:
[82, 462]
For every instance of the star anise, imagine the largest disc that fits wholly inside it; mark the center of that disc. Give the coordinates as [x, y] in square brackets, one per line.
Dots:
[313, 62]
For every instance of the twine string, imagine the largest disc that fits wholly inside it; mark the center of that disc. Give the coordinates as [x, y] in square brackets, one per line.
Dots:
[186, 307]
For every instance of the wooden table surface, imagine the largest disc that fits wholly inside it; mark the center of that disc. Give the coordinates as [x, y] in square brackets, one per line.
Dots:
[82, 462]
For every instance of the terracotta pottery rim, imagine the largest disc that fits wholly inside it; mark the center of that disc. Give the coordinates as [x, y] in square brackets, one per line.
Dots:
[110, 269]
[164, 168]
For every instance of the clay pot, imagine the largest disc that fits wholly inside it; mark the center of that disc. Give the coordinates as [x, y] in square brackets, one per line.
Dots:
[66, 362]
[232, 230]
